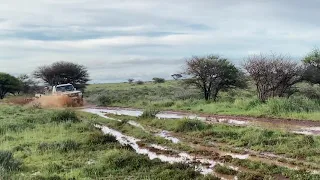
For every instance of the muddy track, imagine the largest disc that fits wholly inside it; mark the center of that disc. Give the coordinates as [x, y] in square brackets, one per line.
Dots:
[286, 121]
[215, 150]
[203, 157]
[296, 126]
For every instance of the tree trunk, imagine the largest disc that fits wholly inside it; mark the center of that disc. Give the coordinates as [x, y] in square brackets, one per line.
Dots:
[215, 95]
[206, 95]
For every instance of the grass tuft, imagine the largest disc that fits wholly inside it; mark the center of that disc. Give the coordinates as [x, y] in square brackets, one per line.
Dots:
[8, 162]
[64, 116]
[149, 113]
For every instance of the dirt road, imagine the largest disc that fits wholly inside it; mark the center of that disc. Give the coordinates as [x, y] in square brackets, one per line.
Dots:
[296, 126]
[205, 158]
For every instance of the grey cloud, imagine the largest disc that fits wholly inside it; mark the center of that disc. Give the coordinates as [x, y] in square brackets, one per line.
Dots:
[152, 38]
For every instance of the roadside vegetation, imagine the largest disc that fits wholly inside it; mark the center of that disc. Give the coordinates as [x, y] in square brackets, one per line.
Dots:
[267, 85]
[59, 144]
[304, 103]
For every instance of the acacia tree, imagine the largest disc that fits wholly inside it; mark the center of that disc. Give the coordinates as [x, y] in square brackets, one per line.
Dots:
[63, 72]
[176, 76]
[274, 75]
[312, 74]
[8, 84]
[312, 64]
[313, 58]
[212, 74]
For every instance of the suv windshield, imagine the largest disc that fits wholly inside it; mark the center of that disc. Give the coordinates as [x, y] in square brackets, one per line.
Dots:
[65, 88]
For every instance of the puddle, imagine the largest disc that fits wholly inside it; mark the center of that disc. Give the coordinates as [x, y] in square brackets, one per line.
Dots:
[232, 121]
[166, 135]
[135, 124]
[238, 156]
[172, 115]
[164, 115]
[205, 166]
[308, 131]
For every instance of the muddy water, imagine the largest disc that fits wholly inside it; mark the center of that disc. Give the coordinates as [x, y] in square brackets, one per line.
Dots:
[298, 129]
[205, 166]
[166, 135]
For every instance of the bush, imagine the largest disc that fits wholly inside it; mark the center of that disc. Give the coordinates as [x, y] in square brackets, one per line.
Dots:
[139, 82]
[64, 116]
[190, 125]
[149, 113]
[8, 162]
[158, 80]
[104, 100]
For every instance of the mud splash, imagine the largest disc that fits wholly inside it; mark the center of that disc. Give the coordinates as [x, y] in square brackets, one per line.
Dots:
[53, 102]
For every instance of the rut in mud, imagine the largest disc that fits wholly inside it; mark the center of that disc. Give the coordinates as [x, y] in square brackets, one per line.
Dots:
[295, 126]
[204, 163]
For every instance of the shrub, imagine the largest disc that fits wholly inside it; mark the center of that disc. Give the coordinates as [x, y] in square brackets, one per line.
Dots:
[190, 125]
[8, 162]
[158, 80]
[139, 82]
[104, 100]
[64, 116]
[149, 113]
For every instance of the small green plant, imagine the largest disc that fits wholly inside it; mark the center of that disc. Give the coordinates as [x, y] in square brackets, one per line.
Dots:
[190, 125]
[149, 113]
[225, 170]
[104, 100]
[8, 162]
[64, 116]
[99, 138]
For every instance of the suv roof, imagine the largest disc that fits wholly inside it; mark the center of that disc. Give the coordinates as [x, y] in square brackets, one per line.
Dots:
[63, 85]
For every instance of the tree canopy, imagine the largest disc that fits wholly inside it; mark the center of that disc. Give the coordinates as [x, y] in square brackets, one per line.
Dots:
[273, 74]
[313, 58]
[63, 72]
[8, 84]
[212, 74]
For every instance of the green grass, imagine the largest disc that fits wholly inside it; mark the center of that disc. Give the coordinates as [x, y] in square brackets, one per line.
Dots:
[59, 144]
[174, 95]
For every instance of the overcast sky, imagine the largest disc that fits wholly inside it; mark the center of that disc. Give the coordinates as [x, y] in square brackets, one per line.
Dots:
[141, 39]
